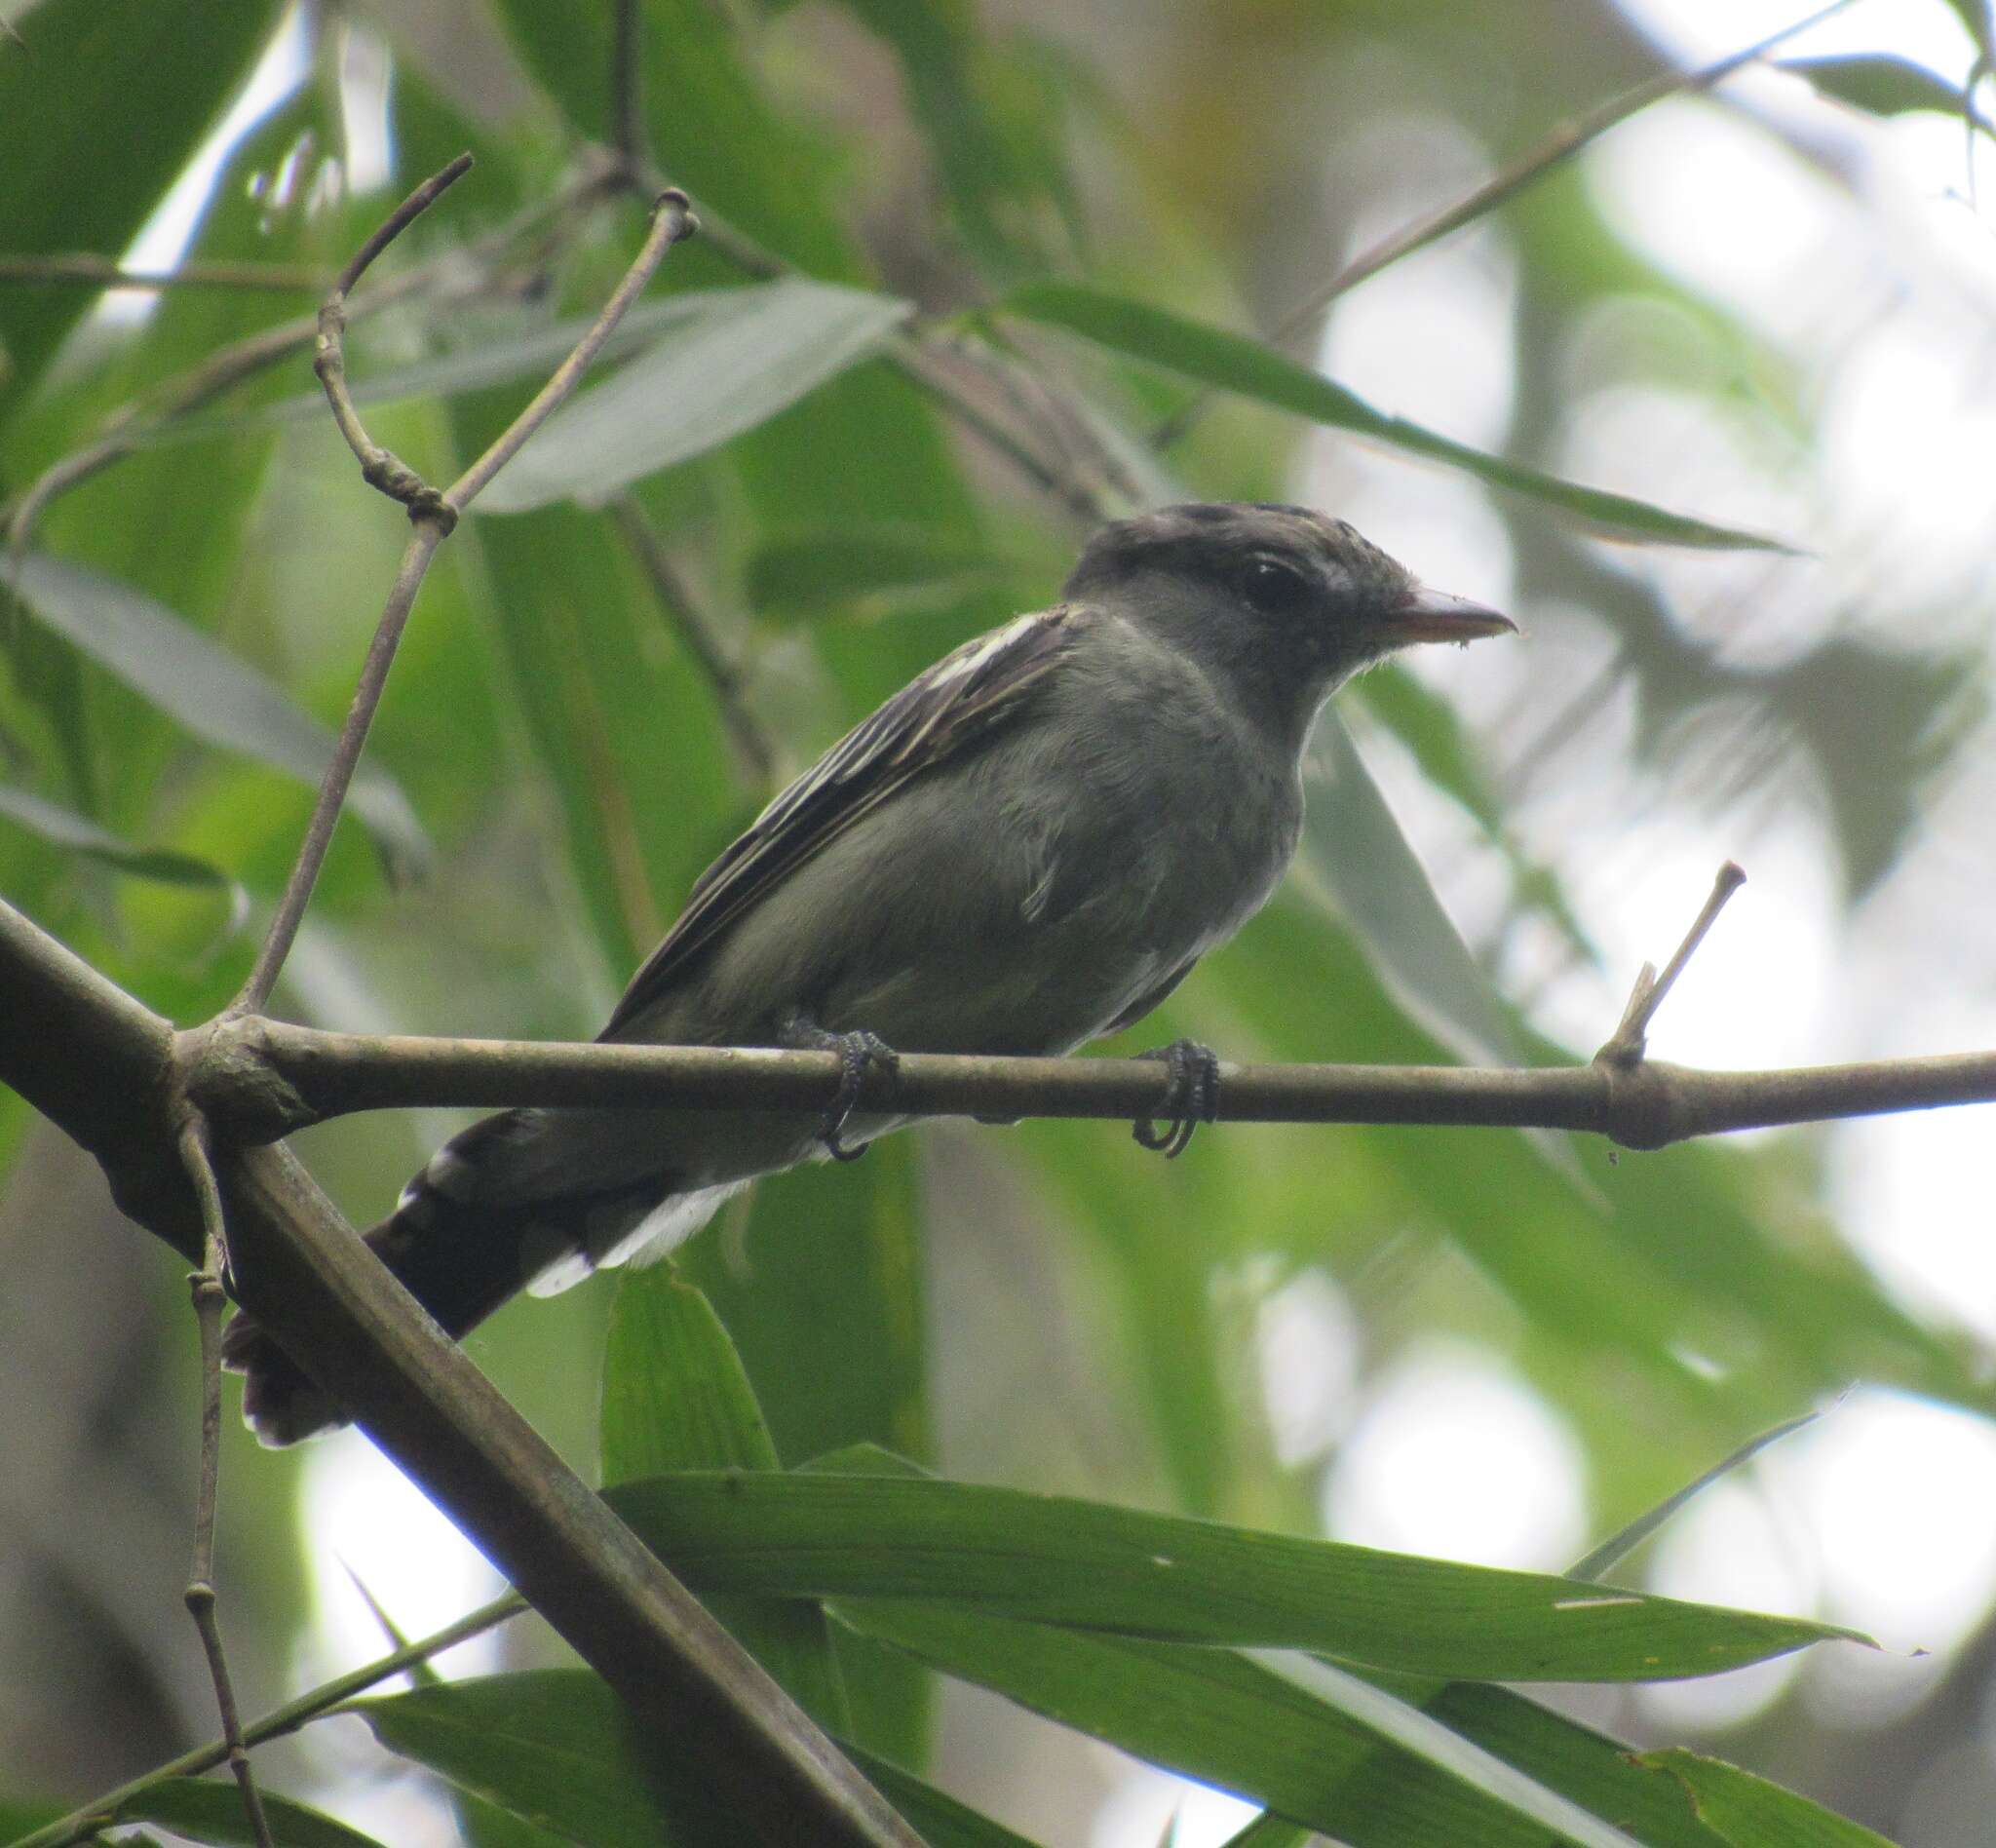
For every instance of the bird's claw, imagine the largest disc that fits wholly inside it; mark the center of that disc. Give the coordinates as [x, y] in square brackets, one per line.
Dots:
[856, 1050]
[1191, 1097]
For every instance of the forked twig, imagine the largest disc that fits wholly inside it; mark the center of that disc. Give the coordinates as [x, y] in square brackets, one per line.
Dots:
[1626, 1045]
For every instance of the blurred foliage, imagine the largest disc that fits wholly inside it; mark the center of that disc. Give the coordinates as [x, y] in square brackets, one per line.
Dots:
[823, 411]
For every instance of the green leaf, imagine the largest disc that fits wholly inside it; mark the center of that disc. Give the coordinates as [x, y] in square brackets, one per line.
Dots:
[1422, 1737]
[70, 186]
[750, 355]
[675, 1395]
[1594, 1770]
[558, 1749]
[1222, 1717]
[554, 1748]
[675, 1398]
[1880, 84]
[1748, 1812]
[190, 677]
[1054, 1559]
[212, 1810]
[1233, 362]
[1610, 1553]
[65, 828]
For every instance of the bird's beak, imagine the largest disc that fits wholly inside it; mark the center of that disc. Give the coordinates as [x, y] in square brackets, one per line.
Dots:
[1425, 615]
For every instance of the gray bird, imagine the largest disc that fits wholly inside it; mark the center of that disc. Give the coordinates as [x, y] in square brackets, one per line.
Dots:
[1028, 846]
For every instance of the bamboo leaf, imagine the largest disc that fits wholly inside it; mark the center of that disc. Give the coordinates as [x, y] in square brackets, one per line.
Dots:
[193, 678]
[747, 355]
[1233, 362]
[1054, 1559]
[76, 834]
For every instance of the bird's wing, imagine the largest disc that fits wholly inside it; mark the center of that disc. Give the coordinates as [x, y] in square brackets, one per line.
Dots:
[1153, 997]
[964, 697]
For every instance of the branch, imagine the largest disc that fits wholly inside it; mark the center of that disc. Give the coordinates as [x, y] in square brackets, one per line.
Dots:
[93, 1061]
[268, 1078]
[697, 1695]
[111, 1073]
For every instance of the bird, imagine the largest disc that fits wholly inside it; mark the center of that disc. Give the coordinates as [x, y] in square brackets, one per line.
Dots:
[1029, 846]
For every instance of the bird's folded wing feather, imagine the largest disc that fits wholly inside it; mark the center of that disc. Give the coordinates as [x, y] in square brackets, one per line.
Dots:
[964, 697]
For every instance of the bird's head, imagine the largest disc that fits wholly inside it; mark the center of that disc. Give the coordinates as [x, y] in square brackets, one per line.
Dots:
[1284, 602]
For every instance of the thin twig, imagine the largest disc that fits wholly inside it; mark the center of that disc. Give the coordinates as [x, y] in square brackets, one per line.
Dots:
[205, 1287]
[340, 770]
[1626, 1045]
[433, 515]
[672, 220]
[1559, 147]
[695, 633]
[87, 266]
[101, 1812]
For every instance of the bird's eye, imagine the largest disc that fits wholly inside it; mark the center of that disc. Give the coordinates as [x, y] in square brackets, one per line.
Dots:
[1275, 589]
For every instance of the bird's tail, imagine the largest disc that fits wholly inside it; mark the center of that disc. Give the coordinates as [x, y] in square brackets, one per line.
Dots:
[460, 1258]
[477, 1226]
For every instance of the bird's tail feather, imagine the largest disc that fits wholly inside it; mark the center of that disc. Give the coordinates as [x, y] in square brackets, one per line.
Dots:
[461, 1250]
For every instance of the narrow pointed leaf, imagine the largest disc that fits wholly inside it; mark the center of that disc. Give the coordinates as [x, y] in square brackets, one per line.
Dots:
[676, 1396]
[76, 834]
[750, 354]
[1610, 1553]
[1880, 83]
[193, 678]
[1232, 362]
[553, 1747]
[1054, 1559]
[1221, 1717]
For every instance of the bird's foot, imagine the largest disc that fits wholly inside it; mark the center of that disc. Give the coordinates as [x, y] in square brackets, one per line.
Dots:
[856, 1052]
[1192, 1097]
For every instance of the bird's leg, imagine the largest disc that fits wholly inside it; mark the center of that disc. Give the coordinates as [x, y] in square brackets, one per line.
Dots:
[856, 1052]
[1192, 1097]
